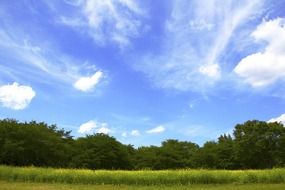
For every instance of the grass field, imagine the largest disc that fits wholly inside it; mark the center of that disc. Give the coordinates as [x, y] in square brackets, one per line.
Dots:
[40, 186]
[139, 178]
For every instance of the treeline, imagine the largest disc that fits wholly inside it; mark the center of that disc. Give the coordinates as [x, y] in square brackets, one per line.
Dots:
[253, 145]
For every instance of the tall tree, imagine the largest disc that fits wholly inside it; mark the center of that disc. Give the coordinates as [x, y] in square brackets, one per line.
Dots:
[225, 153]
[146, 158]
[175, 154]
[207, 156]
[259, 139]
[100, 151]
[32, 144]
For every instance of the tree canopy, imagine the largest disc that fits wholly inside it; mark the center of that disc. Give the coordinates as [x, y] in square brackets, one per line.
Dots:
[253, 145]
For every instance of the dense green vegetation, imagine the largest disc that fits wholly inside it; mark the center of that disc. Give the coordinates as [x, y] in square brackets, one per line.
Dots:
[41, 186]
[146, 177]
[254, 145]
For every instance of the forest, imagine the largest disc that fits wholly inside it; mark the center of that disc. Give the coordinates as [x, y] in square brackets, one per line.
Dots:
[253, 145]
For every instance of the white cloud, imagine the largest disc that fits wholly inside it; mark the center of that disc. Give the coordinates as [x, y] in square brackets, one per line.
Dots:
[104, 130]
[29, 55]
[194, 42]
[158, 129]
[124, 134]
[87, 127]
[16, 96]
[109, 20]
[281, 119]
[200, 24]
[265, 68]
[86, 84]
[135, 133]
[211, 70]
[93, 126]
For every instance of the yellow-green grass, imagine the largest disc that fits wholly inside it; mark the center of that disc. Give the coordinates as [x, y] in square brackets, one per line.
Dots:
[44, 186]
[165, 177]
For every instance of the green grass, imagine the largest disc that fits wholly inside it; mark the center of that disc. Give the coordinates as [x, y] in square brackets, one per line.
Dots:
[43, 186]
[146, 178]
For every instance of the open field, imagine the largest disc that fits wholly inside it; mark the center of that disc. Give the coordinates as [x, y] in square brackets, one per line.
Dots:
[164, 177]
[40, 186]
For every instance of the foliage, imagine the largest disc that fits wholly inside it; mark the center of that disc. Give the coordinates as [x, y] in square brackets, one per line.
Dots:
[254, 145]
[100, 151]
[262, 140]
[32, 143]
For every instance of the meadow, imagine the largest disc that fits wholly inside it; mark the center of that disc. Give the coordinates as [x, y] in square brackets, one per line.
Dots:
[45, 186]
[142, 177]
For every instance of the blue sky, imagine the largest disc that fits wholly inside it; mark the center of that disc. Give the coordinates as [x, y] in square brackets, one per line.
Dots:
[143, 71]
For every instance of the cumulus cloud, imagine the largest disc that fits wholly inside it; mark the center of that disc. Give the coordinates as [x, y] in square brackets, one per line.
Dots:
[158, 129]
[109, 20]
[86, 84]
[87, 127]
[281, 119]
[194, 42]
[94, 126]
[16, 96]
[135, 133]
[264, 68]
[104, 130]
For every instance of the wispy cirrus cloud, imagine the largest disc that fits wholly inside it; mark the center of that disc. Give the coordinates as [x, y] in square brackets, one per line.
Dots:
[194, 42]
[41, 63]
[33, 57]
[156, 130]
[107, 21]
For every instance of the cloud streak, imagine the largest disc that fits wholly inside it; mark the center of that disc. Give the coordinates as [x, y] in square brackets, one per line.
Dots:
[42, 64]
[135, 133]
[194, 42]
[35, 58]
[156, 130]
[107, 21]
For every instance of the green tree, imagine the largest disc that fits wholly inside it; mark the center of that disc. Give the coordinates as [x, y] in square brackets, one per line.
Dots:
[207, 156]
[32, 144]
[225, 152]
[146, 157]
[262, 140]
[175, 154]
[100, 151]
